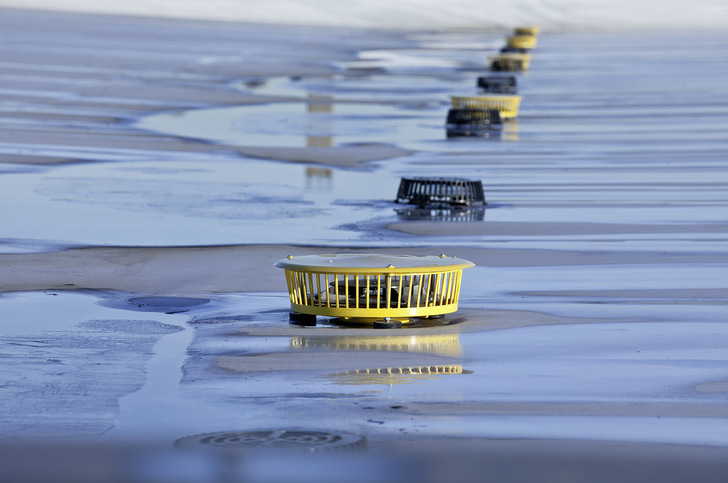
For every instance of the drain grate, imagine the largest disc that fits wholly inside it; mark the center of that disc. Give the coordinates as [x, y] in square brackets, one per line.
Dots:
[510, 62]
[372, 288]
[455, 192]
[500, 84]
[507, 105]
[276, 439]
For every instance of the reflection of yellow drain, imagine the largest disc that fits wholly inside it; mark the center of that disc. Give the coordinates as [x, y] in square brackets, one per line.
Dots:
[510, 131]
[394, 375]
[445, 344]
[368, 288]
[319, 180]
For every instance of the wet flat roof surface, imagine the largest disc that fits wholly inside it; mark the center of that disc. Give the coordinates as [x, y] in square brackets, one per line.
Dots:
[140, 305]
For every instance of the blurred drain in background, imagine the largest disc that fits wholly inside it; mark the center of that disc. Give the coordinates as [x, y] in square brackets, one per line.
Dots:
[498, 84]
[473, 122]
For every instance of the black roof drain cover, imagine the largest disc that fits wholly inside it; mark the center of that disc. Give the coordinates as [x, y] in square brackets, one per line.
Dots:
[452, 192]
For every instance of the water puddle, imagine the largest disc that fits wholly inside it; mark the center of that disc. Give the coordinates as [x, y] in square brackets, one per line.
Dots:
[396, 97]
[363, 87]
[305, 124]
[209, 200]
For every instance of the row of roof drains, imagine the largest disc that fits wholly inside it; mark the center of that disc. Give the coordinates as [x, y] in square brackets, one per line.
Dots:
[472, 116]
[388, 291]
[484, 115]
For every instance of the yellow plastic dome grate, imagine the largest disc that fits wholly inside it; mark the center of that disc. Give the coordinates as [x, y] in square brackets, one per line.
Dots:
[368, 287]
[521, 41]
[507, 106]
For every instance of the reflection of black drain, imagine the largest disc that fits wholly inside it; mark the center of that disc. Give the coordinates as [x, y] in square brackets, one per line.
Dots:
[477, 118]
[276, 439]
[468, 132]
[425, 214]
[441, 192]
